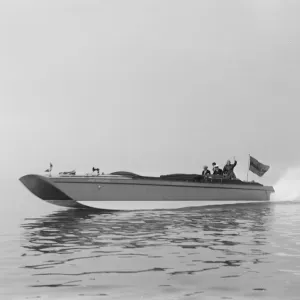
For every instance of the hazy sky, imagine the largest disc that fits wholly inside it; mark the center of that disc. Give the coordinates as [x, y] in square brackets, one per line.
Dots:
[148, 86]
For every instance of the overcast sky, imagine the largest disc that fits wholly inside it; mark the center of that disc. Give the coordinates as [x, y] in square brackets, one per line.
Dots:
[148, 86]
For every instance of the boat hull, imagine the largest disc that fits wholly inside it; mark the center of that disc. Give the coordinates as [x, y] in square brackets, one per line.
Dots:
[155, 205]
[121, 193]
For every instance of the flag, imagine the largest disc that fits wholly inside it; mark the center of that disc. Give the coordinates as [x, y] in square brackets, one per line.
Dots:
[50, 169]
[257, 167]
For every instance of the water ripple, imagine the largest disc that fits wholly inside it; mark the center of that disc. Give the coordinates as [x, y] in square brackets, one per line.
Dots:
[233, 249]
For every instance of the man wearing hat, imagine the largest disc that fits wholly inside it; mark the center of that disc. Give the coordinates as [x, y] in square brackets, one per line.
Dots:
[217, 170]
[213, 166]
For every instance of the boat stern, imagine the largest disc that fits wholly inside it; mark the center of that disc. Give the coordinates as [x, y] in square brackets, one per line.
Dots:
[269, 190]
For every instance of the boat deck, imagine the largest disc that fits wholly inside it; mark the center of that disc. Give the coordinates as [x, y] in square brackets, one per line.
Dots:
[187, 178]
[170, 177]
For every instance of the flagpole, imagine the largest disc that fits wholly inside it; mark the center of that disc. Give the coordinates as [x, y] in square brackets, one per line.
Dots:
[248, 167]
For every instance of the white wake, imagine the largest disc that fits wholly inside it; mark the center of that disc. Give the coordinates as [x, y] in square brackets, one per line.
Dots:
[288, 186]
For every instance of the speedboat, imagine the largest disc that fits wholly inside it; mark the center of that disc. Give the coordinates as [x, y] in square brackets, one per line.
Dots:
[129, 191]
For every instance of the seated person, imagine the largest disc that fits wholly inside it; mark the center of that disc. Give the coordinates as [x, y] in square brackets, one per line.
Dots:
[228, 170]
[213, 166]
[217, 170]
[205, 171]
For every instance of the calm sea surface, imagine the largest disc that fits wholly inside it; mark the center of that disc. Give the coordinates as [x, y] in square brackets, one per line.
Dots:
[227, 252]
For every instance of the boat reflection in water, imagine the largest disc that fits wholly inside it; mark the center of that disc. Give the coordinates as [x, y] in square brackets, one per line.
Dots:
[134, 253]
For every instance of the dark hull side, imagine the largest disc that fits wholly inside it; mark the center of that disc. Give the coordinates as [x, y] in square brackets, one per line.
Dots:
[45, 190]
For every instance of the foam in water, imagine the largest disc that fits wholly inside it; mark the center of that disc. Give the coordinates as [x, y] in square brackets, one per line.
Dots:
[288, 186]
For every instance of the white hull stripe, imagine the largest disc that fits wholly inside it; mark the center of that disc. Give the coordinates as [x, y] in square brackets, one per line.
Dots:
[152, 205]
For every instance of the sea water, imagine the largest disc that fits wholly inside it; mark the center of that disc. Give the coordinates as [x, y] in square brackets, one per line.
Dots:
[245, 251]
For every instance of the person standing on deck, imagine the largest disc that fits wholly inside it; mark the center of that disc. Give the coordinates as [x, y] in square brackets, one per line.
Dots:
[228, 170]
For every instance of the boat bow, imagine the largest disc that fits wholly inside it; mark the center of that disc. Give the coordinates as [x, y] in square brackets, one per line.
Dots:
[43, 188]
